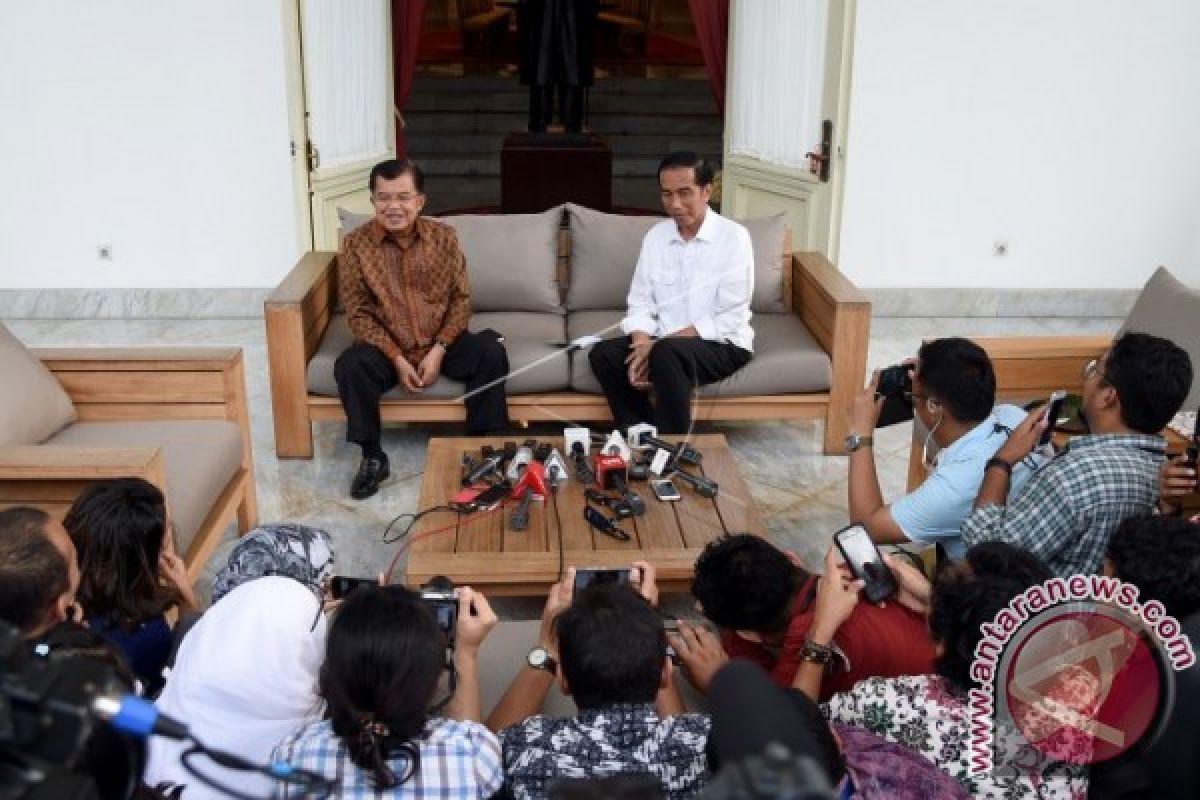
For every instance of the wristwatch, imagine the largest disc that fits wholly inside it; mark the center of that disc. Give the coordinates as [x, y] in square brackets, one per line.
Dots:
[854, 442]
[540, 658]
[999, 463]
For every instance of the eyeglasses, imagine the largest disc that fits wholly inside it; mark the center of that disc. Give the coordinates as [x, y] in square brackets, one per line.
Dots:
[1092, 369]
[387, 199]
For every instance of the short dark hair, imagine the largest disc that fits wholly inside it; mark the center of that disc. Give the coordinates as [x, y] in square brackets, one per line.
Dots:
[612, 646]
[1161, 556]
[968, 594]
[745, 583]
[1152, 376]
[32, 570]
[701, 169]
[958, 373]
[383, 659]
[118, 527]
[395, 167]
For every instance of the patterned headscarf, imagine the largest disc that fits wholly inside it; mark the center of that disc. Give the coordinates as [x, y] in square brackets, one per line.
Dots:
[296, 551]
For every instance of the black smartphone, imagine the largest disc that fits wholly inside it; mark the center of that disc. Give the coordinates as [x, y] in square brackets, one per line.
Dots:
[1193, 451]
[341, 586]
[492, 496]
[1053, 412]
[588, 576]
[866, 562]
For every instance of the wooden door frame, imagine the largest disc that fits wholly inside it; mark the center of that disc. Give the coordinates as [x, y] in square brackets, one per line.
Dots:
[297, 123]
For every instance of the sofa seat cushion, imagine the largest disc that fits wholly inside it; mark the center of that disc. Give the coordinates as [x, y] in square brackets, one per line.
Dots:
[787, 359]
[1168, 308]
[529, 338]
[34, 405]
[201, 457]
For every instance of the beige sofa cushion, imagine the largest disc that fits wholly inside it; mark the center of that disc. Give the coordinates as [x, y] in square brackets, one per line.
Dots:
[605, 249]
[1171, 310]
[786, 357]
[512, 259]
[33, 405]
[529, 338]
[201, 457]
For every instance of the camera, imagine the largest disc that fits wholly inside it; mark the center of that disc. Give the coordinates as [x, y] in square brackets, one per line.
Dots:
[895, 386]
[439, 595]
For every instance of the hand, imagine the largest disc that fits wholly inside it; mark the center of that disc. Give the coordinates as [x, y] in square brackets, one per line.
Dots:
[407, 375]
[862, 412]
[1022, 441]
[915, 589]
[643, 577]
[557, 601]
[639, 360]
[837, 597]
[639, 376]
[173, 573]
[1175, 479]
[475, 619]
[431, 366]
[700, 654]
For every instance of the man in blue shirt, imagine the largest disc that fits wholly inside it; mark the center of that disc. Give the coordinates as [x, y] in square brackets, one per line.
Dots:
[953, 395]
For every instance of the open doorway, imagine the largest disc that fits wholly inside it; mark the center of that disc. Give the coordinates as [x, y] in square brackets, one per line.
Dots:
[652, 94]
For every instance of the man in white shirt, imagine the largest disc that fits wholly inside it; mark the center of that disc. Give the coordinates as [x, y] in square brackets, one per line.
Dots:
[688, 321]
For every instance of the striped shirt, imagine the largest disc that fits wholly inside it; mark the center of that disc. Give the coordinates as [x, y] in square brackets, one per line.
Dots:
[459, 761]
[1071, 507]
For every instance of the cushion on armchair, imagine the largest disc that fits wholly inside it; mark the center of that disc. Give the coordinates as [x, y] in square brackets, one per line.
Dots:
[1168, 309]
[34, 406]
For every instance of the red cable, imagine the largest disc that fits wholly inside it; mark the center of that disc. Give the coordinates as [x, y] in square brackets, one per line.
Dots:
[407, 541]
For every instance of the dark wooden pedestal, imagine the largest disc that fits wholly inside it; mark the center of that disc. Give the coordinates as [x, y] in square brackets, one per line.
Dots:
[541, 170]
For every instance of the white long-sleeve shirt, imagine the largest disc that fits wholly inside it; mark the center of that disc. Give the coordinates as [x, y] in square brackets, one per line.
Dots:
[706, 282]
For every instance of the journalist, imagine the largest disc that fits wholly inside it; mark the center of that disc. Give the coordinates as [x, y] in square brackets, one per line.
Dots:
[39, 574]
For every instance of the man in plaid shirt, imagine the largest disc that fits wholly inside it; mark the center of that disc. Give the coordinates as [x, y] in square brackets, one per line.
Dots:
[1070, 508]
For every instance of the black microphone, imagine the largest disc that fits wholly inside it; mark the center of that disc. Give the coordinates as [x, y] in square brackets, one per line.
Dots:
[703, 486]
[483, 469]
[583, 470]
[682, 453]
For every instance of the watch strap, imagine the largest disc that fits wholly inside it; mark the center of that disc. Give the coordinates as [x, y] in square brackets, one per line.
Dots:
[999, 463]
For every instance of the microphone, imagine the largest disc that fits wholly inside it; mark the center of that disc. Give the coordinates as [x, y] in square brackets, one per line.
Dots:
[483, 469]
[137, 716]
[532, 484]
[583, 470]
[703, 486]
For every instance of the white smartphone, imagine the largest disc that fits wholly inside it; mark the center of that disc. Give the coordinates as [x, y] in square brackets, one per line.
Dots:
[665, 490]
[1053, 410]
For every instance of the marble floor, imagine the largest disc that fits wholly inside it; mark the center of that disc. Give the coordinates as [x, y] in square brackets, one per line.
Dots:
[800, 492]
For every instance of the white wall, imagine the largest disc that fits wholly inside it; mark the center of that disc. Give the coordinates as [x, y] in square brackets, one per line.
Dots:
[1069, 129]
[156, 126]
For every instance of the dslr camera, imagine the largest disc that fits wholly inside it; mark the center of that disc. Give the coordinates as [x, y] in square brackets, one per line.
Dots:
[895, 387]
[439, 595]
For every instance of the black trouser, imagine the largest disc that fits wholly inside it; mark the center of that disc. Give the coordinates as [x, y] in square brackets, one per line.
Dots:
[364, 373]
[677, 366]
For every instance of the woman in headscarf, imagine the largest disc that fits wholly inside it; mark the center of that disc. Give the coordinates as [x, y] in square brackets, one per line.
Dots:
[245, 677]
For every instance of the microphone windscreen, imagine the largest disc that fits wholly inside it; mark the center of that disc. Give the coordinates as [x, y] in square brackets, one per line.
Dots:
[749, 712]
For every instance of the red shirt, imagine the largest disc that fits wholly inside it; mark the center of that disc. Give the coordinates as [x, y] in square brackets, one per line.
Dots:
[879, 641]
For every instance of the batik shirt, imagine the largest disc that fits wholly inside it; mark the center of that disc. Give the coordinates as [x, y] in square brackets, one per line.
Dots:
[926, 716]
[619, 739]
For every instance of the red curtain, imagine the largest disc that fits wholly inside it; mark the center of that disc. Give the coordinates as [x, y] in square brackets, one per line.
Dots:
[711, 18]
[406, 37]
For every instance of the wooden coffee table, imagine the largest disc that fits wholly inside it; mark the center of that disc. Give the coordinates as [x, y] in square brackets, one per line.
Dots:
[482, 550]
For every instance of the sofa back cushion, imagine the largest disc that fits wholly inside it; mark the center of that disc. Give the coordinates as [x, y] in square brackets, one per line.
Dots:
[34, 405]
[512, 259]
[1171, 310]
[605, 248]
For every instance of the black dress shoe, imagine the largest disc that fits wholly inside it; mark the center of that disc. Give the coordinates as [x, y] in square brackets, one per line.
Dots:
[371, 473]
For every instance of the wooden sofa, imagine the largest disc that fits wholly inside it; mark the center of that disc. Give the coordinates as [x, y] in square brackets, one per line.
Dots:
[299, 311]
[137, 393]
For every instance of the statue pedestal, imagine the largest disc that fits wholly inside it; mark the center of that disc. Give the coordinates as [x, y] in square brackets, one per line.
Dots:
[541, 170]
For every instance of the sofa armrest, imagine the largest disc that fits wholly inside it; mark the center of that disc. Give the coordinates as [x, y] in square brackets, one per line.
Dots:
[838, 315]
[1028, 367]
[54, 463]
[297, 313]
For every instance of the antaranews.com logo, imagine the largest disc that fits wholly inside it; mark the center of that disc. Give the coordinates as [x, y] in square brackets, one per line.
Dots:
[1076, 670]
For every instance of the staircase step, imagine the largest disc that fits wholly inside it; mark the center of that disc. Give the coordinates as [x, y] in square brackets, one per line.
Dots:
[452, 123]
[641, 144]
[477, 84]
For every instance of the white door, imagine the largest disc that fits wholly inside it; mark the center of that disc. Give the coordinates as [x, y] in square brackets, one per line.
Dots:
[787, 96]
[346, 53]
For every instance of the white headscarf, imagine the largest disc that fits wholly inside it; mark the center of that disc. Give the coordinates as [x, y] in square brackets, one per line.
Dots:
[245, 677]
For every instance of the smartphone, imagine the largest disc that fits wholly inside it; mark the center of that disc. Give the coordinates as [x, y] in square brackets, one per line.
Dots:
[1053, 411]
[664, 490]
[588, 576]
[865, 562]
[341, 586]
[493, 496]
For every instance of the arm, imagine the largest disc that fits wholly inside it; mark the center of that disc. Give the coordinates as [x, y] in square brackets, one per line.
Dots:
[640, 314]
[526, 695]
[458, 313]
[865, 498]
[1034, 520]
[475, 620]
[837, 597]
[734, 292]
[360, 306]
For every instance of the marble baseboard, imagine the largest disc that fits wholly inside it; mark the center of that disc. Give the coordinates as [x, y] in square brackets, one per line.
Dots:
[1083, 303]
[242, 303]
[131, 303]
